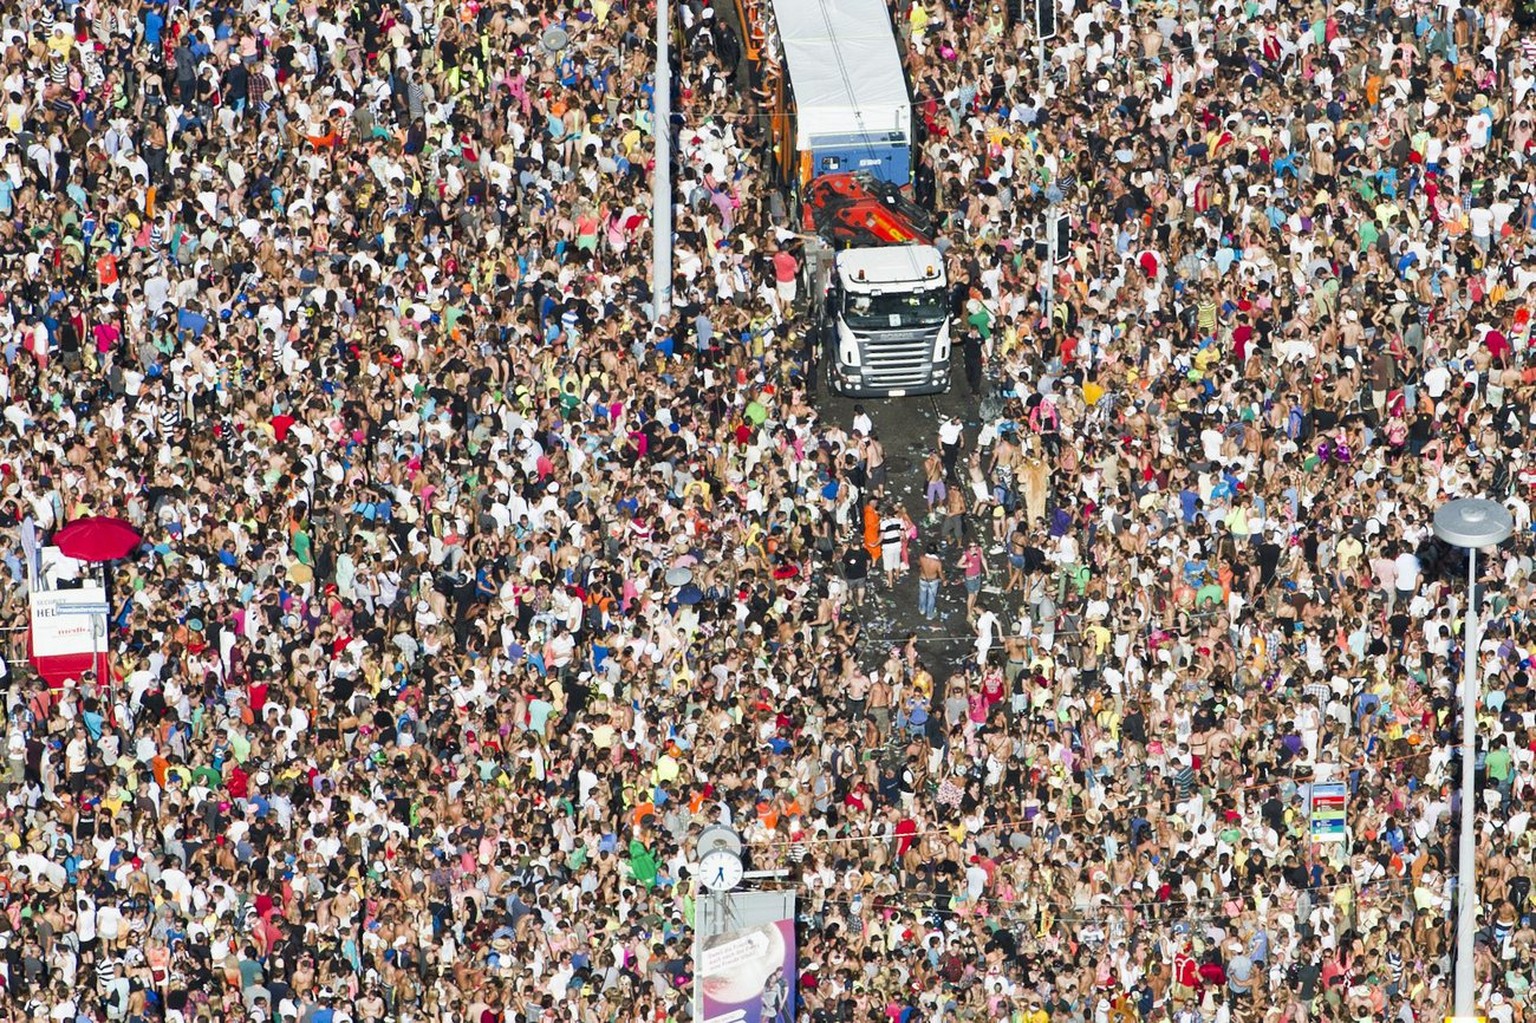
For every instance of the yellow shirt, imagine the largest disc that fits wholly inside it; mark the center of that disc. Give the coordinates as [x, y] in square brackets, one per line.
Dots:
[1349, 551]
[1237, 521]
[1100, 636]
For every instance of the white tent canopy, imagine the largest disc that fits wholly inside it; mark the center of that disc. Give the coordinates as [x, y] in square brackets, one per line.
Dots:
[844, 68]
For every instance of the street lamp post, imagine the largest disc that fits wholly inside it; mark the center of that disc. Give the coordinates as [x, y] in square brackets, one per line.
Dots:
[1471, 524]
[661, 175]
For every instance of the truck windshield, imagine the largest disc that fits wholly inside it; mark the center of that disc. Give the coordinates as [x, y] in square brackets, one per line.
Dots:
[894, 311]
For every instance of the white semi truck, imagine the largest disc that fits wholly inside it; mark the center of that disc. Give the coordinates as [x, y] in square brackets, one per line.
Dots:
[842, 135]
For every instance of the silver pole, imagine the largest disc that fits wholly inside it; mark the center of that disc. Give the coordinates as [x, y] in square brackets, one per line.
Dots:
[704, 910]
[1469, 523]
[1466, 883]
[97, 628]
[1051, 235]
[661, 176]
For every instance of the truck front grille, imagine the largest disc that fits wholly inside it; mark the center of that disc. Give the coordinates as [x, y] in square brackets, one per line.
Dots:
[899, 363]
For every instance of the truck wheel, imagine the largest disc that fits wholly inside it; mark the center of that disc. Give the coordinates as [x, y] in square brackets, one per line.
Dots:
[830, 377]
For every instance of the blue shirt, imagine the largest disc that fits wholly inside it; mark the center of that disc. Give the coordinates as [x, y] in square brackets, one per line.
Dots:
[154, 23]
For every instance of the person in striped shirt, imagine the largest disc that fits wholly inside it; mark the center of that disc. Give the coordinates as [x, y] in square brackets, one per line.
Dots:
[892, 541]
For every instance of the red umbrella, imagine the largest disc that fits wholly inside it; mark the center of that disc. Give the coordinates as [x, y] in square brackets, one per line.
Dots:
[97, 538]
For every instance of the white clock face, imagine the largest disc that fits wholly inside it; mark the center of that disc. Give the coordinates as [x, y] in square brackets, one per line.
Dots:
[720, 870]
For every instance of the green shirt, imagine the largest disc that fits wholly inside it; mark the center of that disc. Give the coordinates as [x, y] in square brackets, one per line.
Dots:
[301, 547]
[1498, 764]
[250, 972]
[1368, 234]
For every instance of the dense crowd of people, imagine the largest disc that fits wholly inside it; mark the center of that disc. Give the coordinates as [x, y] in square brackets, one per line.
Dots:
[468, 594]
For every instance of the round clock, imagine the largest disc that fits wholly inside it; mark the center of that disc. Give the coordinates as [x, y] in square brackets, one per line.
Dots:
[720, 870]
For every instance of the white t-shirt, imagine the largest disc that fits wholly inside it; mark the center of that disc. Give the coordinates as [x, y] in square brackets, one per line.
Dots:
[85, 919]
[109, 923]
[1479, 129]
[1482, 221]
[1436, 381]
[74, 755]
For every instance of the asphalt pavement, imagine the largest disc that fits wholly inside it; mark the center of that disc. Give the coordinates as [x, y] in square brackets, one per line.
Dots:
[908, 428]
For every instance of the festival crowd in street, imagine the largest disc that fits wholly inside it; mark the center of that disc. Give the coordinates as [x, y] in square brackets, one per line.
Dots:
[468, 595]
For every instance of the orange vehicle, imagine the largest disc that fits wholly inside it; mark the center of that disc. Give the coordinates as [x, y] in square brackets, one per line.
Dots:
[855, 208]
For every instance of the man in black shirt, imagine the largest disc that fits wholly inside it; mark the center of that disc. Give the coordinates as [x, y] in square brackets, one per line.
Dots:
[1308, 973]
[1134, 725]
[855, 564]
[1269, 561]
[1273, 811]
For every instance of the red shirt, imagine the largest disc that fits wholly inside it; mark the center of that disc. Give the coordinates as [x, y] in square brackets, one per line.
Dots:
[1240, 338]
[1498, 344]
[785, 267]
[906, 830]
[1186, 972]
[238, 783]
[106, 337]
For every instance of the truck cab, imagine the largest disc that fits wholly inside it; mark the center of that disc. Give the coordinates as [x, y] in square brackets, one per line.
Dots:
[888, 322]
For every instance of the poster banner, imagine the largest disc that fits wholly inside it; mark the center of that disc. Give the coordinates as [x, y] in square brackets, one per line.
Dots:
[1326, 811]
[745, 970]
[68, 633]
[63, 621]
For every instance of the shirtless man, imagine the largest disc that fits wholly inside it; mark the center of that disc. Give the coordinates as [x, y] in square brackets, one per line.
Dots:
[953, 529]
[858, 696]
[874, 464]
[880, 696]
[933, 472]
[1016, 650]
[930, 576]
